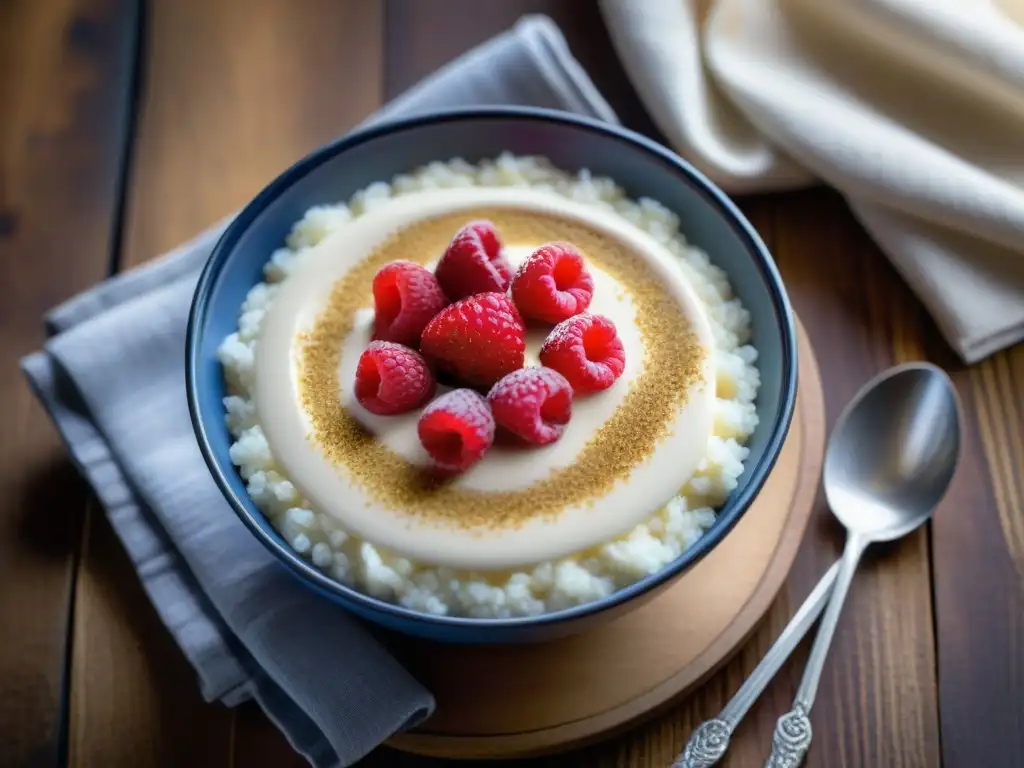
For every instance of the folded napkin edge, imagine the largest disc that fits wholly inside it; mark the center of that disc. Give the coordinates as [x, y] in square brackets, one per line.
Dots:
[563, 73]
[225, 677]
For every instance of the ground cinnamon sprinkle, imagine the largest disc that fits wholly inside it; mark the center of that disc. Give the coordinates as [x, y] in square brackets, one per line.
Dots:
[673, 358]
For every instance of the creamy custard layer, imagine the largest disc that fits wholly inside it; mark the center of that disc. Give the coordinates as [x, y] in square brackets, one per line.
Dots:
[624, 454]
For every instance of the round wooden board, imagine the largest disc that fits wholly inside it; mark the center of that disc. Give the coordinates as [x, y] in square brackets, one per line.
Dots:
[518, 701]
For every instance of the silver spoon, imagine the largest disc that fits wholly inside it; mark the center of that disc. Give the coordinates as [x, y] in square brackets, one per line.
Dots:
[890, 459]
[710, 740]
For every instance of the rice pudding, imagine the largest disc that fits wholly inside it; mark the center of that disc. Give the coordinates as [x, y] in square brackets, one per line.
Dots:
[629, 484]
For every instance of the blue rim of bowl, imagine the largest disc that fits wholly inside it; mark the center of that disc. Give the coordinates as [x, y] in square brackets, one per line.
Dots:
[726, 518]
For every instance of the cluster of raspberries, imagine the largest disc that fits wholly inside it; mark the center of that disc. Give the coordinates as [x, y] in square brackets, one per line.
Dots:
[466, 322]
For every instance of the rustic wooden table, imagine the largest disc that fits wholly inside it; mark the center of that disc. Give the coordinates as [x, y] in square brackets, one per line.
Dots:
[125, 127]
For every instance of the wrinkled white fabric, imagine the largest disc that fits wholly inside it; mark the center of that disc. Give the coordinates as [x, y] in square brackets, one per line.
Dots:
[913, 109]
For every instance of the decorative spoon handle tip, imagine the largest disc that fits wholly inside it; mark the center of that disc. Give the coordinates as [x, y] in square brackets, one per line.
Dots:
[706, 746]
[791, 739]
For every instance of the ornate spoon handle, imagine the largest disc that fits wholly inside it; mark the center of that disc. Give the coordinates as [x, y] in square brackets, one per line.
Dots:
[792, 737]
[710, 740]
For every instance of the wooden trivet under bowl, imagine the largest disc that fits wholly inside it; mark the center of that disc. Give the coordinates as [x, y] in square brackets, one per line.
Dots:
[518, 701]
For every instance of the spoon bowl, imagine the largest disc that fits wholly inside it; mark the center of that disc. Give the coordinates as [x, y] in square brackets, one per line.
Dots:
[893, 452]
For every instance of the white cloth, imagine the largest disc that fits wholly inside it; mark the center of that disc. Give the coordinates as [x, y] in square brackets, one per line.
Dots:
[913, 109]
[112, 375]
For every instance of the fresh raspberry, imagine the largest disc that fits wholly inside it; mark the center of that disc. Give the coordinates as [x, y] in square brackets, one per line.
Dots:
[552, 284]
[586, 350]
[392, 379]
[473, 263]
[456, 429]
[489, 237]
[405, 297]
[532, 403]
[477, 340]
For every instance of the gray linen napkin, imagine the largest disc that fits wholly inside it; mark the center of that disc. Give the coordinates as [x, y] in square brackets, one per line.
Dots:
[111, 377]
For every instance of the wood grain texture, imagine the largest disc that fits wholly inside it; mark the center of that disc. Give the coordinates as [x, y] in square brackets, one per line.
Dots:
[65, 71]
[421, 35]
[235, 91]
[877, 701]
[978, 549]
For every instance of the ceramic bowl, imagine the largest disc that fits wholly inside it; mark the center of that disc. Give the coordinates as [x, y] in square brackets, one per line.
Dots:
[334, 172]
